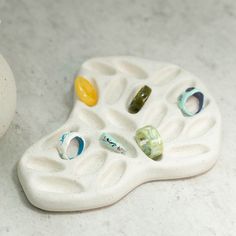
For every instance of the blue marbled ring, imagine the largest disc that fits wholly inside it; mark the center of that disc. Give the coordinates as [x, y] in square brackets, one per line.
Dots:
[186, 95]
[64, 143]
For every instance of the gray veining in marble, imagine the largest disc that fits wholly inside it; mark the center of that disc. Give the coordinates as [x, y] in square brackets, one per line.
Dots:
[46, 41]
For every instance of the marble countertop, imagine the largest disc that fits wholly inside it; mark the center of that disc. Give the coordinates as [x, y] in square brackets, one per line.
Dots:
[46, 41]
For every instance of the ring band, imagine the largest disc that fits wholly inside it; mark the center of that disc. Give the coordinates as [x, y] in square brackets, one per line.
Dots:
[111, 143]
[139, 99]
[64, 144]
[186, 95]
[149, 140]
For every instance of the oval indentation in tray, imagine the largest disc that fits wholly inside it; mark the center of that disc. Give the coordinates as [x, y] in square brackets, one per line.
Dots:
[91, 119]
[92, 163]
[155, 114]
[200, 127]
[121, 121]
[114, 90]
[58, 185]
[175, 92]
[132, 70]
[101, 68]
[112, 174]
[207, 102]
[166, 75]
[171, 130]
[44, 164]
[185, 151]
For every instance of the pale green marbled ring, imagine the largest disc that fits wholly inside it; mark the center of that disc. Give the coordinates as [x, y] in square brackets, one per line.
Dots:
[149, 140]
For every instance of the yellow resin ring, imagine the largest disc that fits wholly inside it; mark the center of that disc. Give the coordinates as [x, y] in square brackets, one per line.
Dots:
[85, 91]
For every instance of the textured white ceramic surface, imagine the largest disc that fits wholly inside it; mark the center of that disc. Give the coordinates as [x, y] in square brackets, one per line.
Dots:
[7, 96]
[100, 177]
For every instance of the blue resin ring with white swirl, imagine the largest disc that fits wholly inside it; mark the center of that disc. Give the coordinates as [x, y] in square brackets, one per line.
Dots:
[70, 145]
[183, 98]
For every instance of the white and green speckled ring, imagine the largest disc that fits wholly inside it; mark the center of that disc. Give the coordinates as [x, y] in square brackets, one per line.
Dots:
[64, 143]
[183, 98]
[149, 140]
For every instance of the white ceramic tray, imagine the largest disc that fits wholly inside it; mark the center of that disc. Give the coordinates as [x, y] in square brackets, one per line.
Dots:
[100, 177]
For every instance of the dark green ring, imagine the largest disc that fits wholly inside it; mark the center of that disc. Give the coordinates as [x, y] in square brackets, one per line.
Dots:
[139, 99]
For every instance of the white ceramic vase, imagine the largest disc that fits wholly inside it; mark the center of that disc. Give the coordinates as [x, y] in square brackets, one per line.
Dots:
[7, 96]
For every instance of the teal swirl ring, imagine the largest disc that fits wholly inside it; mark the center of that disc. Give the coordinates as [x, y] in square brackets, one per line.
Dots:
[111, 143]
[183, 98]
[149, 140]
[70, 145]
